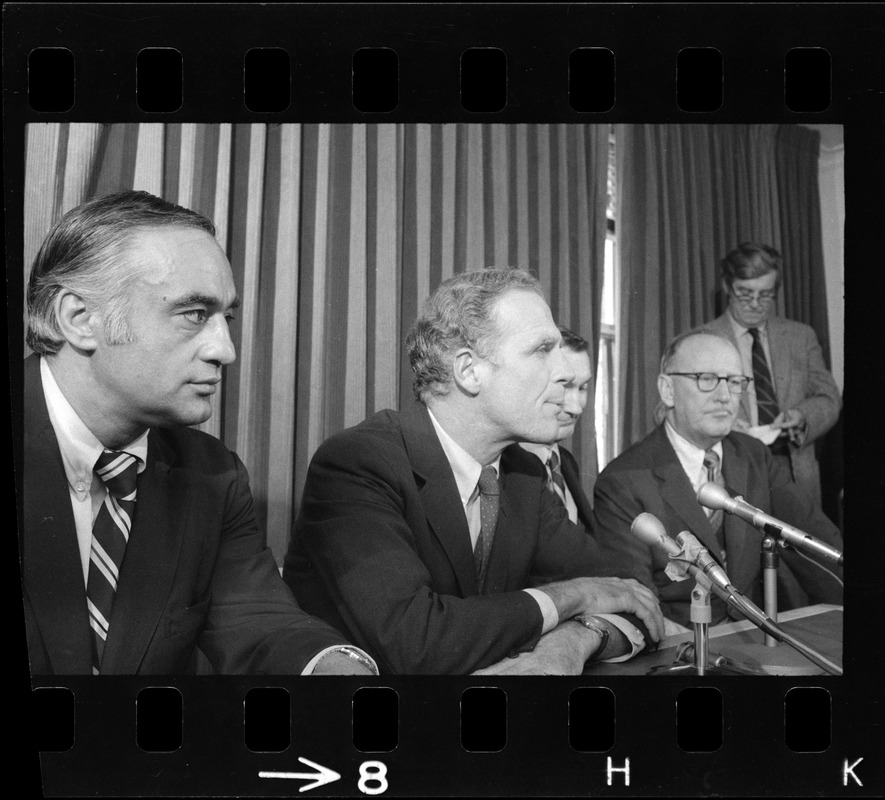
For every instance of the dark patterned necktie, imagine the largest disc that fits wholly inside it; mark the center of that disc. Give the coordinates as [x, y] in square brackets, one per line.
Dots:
[489, 491]
[110, 534]
[714, 475]
[766, 402]
[555, 481]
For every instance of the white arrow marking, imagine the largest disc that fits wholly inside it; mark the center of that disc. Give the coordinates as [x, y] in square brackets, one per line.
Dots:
[321, 776]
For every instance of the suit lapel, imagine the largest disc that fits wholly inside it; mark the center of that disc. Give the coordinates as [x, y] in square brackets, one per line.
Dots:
[571, 473]
[736, 473]
[439, 494]
[52, 572]
[779, 349]
[152, 556]
[520, 498]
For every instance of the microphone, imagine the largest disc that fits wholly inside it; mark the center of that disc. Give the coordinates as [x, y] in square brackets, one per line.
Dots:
[691, 555]
[711, 495]
[650, 530]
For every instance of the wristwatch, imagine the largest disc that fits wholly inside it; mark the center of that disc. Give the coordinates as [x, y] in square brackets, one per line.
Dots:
[356, 655]
[595, 625]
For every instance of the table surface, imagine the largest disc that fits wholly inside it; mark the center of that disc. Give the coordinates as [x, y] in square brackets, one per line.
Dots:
[742, 644]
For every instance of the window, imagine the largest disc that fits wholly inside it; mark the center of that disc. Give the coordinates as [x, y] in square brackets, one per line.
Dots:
[606, 406]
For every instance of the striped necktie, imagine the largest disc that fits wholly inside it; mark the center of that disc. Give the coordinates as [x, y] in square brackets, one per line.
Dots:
[766, 402]
[714, 475]
[489, 491]
[555, 481]
[110, 533]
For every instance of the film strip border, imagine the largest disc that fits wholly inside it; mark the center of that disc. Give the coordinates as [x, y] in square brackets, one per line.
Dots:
[449, 737]
[699, 63]
[698, 74]
[445, 62]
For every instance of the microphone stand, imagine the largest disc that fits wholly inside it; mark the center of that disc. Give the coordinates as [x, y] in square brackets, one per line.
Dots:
[690, 556]
[700, 616]
[770, 561]
[694, 659]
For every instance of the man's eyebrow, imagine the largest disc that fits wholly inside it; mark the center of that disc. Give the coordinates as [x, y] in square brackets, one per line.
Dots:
[198, 299]
[541, 340]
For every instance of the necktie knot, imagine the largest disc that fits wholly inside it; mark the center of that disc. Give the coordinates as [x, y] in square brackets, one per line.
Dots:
[119, 472]
[554, 460]
[755, 333]
[712, 462]
[488, 481]
[555, 481]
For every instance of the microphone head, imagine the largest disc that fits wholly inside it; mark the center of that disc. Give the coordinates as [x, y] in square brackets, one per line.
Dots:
[712, 495]
[649, 529]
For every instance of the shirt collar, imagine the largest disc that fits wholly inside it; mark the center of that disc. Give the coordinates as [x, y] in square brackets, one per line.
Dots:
[79, 447]
[542, 451]
[740, 329]
[464, 466]
[689, 454]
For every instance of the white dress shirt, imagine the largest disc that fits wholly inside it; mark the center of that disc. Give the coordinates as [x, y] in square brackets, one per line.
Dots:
[744, 340]
[80, 450]
[466, 470]
[692, 459]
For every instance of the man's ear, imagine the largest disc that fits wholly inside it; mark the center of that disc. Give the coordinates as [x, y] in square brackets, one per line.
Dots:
[665, 390]
[464, 370]
[77, 323]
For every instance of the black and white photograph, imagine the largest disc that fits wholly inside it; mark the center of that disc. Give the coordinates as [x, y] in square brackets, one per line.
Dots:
[384, 454]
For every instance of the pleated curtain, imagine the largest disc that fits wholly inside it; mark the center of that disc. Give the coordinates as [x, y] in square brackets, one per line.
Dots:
[336, 234]
[689, 194]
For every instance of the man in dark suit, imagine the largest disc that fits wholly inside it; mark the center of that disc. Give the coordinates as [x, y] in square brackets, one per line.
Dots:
[140, 543]
[434, 543]
[700, 384]
[797, 397]
[564, 477]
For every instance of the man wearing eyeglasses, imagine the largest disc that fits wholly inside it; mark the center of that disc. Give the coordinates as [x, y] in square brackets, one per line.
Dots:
[793, 399]
[701, 384]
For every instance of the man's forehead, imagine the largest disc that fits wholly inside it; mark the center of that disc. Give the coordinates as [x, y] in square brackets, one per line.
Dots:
[180, 253]
[761, 282]
[708, 353]
[579, 361]
[172, 243]
[522, 309]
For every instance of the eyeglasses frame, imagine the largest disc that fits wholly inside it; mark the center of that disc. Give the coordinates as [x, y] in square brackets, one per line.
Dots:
[697, 379]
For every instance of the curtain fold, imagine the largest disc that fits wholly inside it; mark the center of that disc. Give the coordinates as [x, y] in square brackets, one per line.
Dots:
[688, 195]
[336, 234]
[804, 296]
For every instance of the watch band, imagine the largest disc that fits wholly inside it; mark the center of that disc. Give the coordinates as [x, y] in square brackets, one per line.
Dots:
[356, 655]
[595, 625]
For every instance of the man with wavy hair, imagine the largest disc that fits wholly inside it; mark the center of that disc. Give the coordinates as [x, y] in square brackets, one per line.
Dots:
[429, 536]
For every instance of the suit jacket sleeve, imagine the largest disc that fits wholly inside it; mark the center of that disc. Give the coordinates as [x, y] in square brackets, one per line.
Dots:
[362, 531]
[567, 551]
[254, 624]
[615, 506]
[822, 401]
